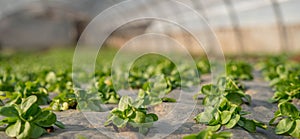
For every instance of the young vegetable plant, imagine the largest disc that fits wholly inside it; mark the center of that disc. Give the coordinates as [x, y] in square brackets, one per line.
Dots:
[287, 84]
[88, 100]
[223, 108]
[24, 90]
[58, 81]
[227, 114]
[64, 101]
[7, 82]
[289, 120]
[209, 134]
[131, 116]
[203, 66]
[27, 119]
[226, 87]
[107, 92]
[284, 77]
[153, 92]
[268, 66]
[239, 70]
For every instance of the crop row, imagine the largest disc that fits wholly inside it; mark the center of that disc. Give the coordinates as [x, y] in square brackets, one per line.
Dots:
[25, 87]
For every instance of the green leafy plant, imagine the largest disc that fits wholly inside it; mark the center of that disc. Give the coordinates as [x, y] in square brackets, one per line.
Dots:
[153, 92]
[286, 83]
[64, 101]
[7, 81]
[289, 122]
[226, 87]
[268, 66]
[88, 100]
[223, 108]
[107, 92]
[227, 114]
[24, 90]
[209, 134]
[284, 78]
[239, 70]
[203, 66]
[130, 115]
[27, 119]
[57, 81]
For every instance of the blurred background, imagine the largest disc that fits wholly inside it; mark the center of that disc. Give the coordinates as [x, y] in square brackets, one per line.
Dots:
[241, 26]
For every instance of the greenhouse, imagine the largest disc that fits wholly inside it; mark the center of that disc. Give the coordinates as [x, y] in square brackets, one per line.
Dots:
[190, 69]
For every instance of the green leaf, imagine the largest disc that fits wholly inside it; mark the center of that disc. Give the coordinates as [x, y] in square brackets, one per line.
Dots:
[119, 122]
[31, 112]
[42, 116]
[167, 99]
[124, 102]
[205, 116]
[8, 120]
[260, 124]
[249, 125]
[139, 117]
[214, 128]
[216, 118]
[296, 132]
[48, 121]
[37, 131]
[154, 116]
[284, 126]
[9, 111]
[26, 131]
[13, 130]
[234, 98]
[201, 135]
[191, 136]
[233, 121]
[248, 98]
[225, 116]
[224, 135]
[59, 124]
[276, 115]
[92, 106]
[288, 109]
[28, 102]
[208, 89]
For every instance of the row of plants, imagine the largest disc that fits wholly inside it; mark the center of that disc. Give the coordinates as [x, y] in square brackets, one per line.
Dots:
[284, 76]
[16, 83]
[222, 104]
[24, 87]
[22, 82]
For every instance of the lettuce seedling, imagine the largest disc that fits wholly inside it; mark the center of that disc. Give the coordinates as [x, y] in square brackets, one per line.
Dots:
[287, 84]
[223, 108]
[289, 120]
[23, 90]
[227, 114]
[27, 119]
[226, 87]
[203, 66]
[153, 92]
[131, 115]
[239, 70]
[88, 100]
[107, 92]
[64, 101]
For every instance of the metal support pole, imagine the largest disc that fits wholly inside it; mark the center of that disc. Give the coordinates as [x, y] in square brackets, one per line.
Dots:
[281, 26]
[198, 5]
[235, 23]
